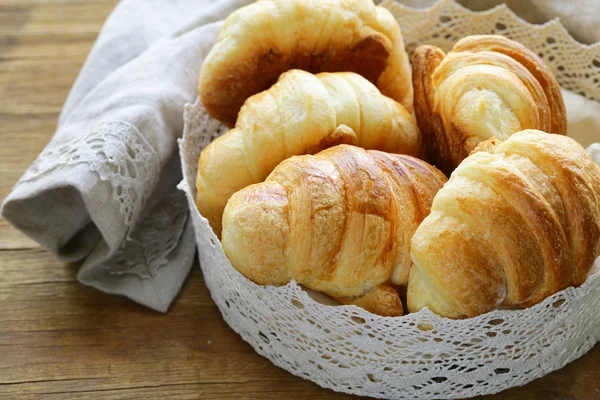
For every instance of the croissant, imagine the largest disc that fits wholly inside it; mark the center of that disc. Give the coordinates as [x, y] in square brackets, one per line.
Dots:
[302, 113]
[516, 222]
[262, 40]
[339, 222]
[487, 86]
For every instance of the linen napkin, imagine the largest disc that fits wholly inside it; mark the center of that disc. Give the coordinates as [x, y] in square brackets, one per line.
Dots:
[103, 191]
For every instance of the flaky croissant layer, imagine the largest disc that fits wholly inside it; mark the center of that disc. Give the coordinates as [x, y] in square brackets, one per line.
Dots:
[339, 222]
[259, 42]
[301, 114]
[487, 86]
[517, 222]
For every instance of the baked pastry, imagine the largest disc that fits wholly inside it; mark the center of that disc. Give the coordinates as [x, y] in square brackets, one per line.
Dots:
[487, 86]
[516, 222]
[302, 113]
[339, 222]
[259, 42]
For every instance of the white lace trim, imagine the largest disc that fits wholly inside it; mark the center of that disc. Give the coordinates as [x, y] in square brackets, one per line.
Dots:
[118, 153]
[420, 355]
[152, 240]
[576, 66]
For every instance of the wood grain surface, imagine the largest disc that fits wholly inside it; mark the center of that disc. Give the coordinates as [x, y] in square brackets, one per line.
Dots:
[59, 339]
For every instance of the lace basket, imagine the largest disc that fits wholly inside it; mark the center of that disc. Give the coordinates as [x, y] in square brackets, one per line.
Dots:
[420, 355]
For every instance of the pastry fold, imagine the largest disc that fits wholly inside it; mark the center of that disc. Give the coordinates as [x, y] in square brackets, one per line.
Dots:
[339, 222]
[259, 42]
[487, 86]
[301, 114]
[518, 221]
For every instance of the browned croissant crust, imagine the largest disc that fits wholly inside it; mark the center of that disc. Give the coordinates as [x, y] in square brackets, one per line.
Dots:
[301, 114]
[517, 221]
[487, 86]
[262, 40]
[339, 222]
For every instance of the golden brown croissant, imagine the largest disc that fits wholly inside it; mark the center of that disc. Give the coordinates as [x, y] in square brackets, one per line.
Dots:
[339, 222]
[487, 86]
[516, 222]
[302, 113]
[260, 41]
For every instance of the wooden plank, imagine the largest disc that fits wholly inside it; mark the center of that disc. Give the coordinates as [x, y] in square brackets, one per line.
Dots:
[261, 389]
[60, 337]
[42, 47]
[10, 238]
[51, 28]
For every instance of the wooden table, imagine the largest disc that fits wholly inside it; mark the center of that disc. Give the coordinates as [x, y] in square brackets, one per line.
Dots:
[59, 339]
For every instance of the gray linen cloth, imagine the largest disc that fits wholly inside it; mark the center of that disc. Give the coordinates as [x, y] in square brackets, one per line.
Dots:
[103, 191]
